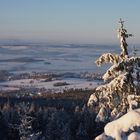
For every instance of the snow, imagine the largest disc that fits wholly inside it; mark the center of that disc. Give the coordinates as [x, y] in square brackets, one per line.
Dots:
[14, 48]
[121, 126]
[8, 88]
[134, 136]
[73, 83]
[102, 116]
[103, 137]
[116, 84]
[108, 58]
[111, 72]
[133, 101]
[93, 99]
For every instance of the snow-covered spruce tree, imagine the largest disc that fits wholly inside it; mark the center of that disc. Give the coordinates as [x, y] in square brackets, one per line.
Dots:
[117, 95]
[25, 128]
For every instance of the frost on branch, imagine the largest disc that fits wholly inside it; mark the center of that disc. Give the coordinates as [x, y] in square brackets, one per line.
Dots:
[119, 84]
[112, 72]
[108, 58]
[125, 65]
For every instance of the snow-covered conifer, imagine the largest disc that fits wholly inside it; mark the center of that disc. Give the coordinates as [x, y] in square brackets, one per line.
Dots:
[122, 79]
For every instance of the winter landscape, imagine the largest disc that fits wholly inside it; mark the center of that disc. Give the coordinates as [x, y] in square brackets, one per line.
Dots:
[69, 70]
[62, 86]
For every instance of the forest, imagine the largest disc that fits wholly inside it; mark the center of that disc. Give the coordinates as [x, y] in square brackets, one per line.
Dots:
[58, 117]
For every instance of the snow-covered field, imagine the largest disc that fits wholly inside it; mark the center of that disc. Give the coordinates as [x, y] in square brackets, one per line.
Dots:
[73, 83]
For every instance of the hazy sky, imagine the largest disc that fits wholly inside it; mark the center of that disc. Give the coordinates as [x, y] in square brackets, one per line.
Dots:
[85, 21]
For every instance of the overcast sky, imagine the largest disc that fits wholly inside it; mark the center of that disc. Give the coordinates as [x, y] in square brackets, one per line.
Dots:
[82, 21]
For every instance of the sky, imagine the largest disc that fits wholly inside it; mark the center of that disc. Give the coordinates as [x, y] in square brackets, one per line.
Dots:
[72, 21]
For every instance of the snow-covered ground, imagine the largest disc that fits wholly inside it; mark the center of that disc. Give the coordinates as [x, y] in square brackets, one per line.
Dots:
[73, 83]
